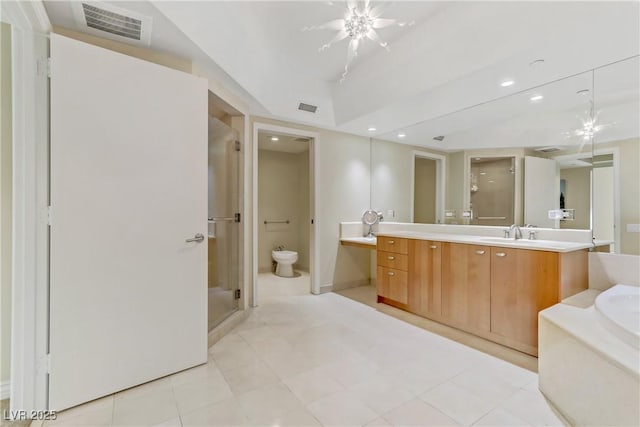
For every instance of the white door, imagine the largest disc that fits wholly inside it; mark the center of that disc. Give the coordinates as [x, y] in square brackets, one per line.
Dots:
[128, 297]
[541, 191]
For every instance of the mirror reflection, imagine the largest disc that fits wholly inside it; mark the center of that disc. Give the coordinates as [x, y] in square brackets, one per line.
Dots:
[570, 153]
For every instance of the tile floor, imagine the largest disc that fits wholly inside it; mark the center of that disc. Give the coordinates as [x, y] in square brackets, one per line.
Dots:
[328, 360]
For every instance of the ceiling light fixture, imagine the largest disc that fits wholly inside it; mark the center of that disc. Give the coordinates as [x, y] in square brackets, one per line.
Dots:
[536, 98]
[507, 83]
[359, 23]
[372, 129]
[275, 138]
[401, 135]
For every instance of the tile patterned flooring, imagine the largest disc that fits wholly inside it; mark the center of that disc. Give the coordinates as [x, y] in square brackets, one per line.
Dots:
[304, 360]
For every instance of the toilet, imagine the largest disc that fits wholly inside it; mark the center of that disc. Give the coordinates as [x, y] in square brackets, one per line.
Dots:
[285, 260]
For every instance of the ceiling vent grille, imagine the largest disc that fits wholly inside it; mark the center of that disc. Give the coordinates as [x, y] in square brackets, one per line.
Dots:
[307, 107]
[112, 22]
[548, 149]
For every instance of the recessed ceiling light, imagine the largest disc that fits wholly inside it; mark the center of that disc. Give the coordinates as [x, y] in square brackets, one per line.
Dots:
[535, 98]
[401, 135]
[275, 138]
[507, 83]
[536, 63]
[372, 129]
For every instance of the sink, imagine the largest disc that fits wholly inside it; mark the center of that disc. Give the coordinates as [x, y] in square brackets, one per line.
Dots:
[522, 242]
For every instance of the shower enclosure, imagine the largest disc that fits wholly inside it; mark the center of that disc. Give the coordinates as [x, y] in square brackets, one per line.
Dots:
[492, 188]
[224, 222]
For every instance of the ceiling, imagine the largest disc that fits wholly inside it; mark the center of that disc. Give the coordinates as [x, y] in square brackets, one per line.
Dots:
[282, 143]
[452, 58]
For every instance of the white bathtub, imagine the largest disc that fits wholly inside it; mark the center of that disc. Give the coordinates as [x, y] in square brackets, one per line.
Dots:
[588, 359]
[618, 309]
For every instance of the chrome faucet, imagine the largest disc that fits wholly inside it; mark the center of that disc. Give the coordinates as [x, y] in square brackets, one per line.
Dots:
[517, 232]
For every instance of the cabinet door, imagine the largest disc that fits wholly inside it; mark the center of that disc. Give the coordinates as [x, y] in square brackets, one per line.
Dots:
[523, 282]
[466, 288]
[392, 284]
[425, 276]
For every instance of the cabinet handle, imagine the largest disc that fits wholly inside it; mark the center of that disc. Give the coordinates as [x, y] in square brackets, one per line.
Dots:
[391, 242]
[391, 273]
[480, 252]
[433, 247]
[501, 254]
[391, 258]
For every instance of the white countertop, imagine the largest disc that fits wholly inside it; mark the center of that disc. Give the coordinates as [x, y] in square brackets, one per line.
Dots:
[538, 245]
[361, 240]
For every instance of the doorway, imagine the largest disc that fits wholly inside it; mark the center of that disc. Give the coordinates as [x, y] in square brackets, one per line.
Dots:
[284, 210]
[427, 193]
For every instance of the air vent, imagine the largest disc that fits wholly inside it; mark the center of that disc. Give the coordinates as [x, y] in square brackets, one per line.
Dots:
[548, 149]
[439, 138]
[112, 22]
[307, 107]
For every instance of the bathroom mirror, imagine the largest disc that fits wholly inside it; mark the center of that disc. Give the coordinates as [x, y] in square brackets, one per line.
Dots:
[616, 160]
[533, 132]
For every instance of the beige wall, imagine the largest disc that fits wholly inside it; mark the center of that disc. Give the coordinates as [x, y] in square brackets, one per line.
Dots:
[5, 207]
[424, 193]
[577, 196]
[127, 49]
[629, 164]
[283, 195]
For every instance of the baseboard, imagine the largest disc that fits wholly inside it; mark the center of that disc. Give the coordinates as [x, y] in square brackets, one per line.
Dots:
[352, 284]
[326, 288]
[226, 326]
[5, 389]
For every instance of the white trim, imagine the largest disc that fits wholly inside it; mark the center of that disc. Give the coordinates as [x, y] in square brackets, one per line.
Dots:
[313, 209]
[615, 151]
[29, 323]
[440, 182]
[5, 390]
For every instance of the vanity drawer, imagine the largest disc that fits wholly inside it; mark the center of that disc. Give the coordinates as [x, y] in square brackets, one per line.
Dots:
[393, 260]
[392, 244]
[392, 284]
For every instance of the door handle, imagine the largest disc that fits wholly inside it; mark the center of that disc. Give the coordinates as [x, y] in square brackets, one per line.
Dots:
[433, 247]
[391, 273]
[222, 218]
[197, 238]
[391, 258]
[481, 252]
[501, 254]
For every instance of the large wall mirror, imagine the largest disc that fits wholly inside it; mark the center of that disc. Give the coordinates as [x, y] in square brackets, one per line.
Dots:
[562, 155]
[616, 159]
[495, 163]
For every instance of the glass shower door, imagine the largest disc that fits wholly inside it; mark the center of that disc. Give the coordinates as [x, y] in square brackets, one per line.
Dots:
[224, 222]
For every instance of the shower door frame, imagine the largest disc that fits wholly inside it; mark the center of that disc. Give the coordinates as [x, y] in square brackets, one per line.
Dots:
[313, 192]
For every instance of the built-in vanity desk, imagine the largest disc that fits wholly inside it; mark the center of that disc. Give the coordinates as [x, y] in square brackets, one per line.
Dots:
[491, 287]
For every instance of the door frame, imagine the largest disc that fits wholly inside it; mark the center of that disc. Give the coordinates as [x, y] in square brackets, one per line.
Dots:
[30, 28]
[441, 167]
[313, 208]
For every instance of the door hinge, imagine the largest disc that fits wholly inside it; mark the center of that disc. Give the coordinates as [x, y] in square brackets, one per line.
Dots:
[237, 294]
[237, 145]
[237, 217]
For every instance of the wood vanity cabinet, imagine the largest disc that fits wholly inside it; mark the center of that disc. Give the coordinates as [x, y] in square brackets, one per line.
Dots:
[492, 292]
[524, 282]
[425, 277]
[392, 284]
[466, 286]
